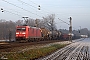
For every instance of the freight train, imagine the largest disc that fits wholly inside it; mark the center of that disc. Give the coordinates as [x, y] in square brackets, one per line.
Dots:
[27, 33]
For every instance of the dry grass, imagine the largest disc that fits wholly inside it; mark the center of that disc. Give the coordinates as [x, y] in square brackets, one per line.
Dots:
[34, 53]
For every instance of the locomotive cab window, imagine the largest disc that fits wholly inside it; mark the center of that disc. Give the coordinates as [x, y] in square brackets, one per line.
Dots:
[21, 29]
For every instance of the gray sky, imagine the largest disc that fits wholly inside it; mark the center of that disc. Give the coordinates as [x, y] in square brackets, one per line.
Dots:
[79, 10]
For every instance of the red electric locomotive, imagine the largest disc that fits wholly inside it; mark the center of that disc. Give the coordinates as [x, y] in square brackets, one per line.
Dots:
[27, 33]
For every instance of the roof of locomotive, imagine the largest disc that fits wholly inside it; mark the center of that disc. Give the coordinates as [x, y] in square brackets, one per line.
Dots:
[22, 26]
[28, 26]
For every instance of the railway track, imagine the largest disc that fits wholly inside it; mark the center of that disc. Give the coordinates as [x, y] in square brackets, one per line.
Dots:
[6, 47]
[73, 51]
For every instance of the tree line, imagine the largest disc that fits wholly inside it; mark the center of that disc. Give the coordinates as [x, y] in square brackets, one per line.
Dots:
[8, 28]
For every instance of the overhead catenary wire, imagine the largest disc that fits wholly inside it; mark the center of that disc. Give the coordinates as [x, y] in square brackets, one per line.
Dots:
[64, 22]
[61, 20]
[33, 2]
[38, 6]
[20, 7]
[9, 9]
[23, 8]
[11, 12]
[26, 3]
[50, 11]
[31, 6]
[45, 10]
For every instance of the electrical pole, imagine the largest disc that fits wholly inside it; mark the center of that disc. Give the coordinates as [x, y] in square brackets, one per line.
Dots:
[36, 23]
[52, 28]
[80, 31]
[10, 35]
[70, 30]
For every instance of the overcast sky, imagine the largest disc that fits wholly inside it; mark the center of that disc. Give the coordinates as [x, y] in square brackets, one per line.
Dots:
[79, 10]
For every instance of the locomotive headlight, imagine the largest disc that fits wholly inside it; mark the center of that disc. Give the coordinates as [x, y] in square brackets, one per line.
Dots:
[23, 33]
[48, 32]
[17, 33]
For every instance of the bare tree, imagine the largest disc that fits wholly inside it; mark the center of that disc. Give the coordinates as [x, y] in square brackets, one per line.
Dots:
[4, 29]
[19, 22]
[49, 22]
[31, 22]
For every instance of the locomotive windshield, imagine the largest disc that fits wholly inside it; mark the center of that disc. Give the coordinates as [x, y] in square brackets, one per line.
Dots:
[21, 29]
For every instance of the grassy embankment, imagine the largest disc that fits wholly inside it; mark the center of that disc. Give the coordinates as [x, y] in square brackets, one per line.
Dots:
[34, 53]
